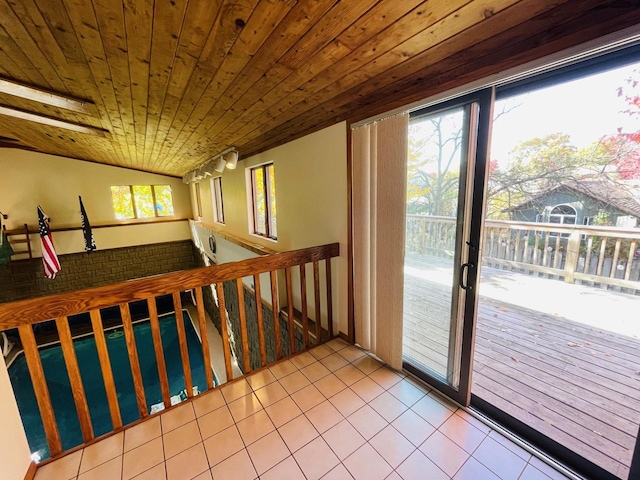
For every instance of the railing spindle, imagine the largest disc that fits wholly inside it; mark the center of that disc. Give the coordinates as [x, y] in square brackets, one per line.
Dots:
[224, 332]
[182, 340]
[34, 364]
[556, 256]
[303, 299]
[263, 347]
[133, 359]
[603, 248]
[316, 297]
[105, 366]
[159, 351]
[545, 254]
[632, 253]
[73, 370]
[588, 257]
[616, 255]
[329, 297]
[292, 325]
[243, 326]
[276, 313]
[204, 338]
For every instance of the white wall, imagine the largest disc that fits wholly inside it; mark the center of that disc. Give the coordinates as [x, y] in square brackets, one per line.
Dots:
[311, 198]
[15, 456]
[30, 179]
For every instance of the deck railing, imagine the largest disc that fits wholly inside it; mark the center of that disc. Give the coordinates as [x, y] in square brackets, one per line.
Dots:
[608, 256]
[24, 314]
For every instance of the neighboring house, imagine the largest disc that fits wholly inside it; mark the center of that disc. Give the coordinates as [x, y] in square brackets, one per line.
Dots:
[580, 202]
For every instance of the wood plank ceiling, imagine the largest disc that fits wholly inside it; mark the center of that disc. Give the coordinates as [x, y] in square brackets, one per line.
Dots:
[174, 82]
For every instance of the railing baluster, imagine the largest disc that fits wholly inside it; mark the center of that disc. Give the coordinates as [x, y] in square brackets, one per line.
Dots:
[259, 315]
[243, 326]
[133, 359]
[73, 370]
[292, 325]
[327, 265]
[204, 338]
[632, 253]
[536, 254]
[517, 248]
[603, 248]
[556, 257]
[588, 257]
[34, 364]
[316, 297]
[276, 313]
[224, 333]
[182, 340]
[616, 255]
[159, 351]
[105, 366]
[303, 299]
[545, 254]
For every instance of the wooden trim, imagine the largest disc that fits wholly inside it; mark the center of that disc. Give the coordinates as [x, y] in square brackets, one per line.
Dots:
[224, 333]
[316, 298]
[252, 247]
[31, 471]
[182, 338]
[21, 231]
[276, 313]
[303, 300]
[159, 351]
[327, 264]
[292, 328]
[36, 310]
[134, 360]
[259, 316]
[351, 328]
[243, 325]
[204, 338]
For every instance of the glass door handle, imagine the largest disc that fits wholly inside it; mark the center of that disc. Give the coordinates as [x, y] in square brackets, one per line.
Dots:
[463, 267]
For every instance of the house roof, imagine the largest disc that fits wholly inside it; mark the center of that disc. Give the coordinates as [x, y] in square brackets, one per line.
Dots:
[617, 194]
[167, 85]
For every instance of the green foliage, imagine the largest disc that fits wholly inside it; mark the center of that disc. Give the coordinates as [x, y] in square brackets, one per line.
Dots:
[122, 202]
[164, 200]
[137, 201]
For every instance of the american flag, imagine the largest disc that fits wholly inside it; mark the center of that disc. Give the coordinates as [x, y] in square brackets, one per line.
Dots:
[49, 257]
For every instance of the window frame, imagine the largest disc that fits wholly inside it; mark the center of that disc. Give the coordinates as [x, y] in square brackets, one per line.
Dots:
[132, 196]
[217, 200]
[266, 185]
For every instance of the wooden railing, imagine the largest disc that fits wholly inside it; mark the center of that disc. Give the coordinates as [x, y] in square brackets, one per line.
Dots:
[24, 314]
[593, 254]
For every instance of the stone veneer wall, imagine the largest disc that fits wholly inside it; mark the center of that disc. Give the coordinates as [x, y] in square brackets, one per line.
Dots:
[24, 278]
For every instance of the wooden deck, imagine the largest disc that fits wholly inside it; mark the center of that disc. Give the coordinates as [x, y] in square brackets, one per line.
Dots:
[576, 383]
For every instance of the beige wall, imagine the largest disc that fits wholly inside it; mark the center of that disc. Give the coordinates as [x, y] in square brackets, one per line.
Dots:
[31, 179]
[15, 456]
[311, 197]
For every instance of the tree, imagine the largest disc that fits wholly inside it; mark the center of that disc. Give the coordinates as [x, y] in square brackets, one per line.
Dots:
[624, 147]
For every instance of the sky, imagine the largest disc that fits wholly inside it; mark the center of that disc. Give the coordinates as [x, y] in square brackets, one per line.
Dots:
[586, 109]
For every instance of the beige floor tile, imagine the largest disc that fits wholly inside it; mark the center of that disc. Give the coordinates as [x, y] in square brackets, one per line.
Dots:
[413, 427]
[286, 470]
[388, 406]
[385, 377]
[271, 394]
[462, 433]
[392, 446]
[315, 371]
[142, 433]
[268, 452]
[255, 427]
[367, 389]
[548, 470]
[188, 464]
[474, 470]
[321, 351]
[260, 379]
[283, 411]
[177, 416]
[406, 392]
[448, 403]
[367, 364]
[324, 416]
[499, 459]
[483, 427]
[432, 411]
[339, 472]
[347, 402]
[298, 432]
[367, 422]
[204, 476]
[349, 374]
[307, 398]
[282, 369]
[142, 458]
[330, 385]
[215, 421]
[294, 382]
[159, 472]
[208, 402]
[237, 467]
[244, 406]
[393, 476]
[351, 353]
[505, 442]
[102, 451]
[444, 453]
[64, 468]
[334, 362]
[343, 439]
[222, 445]
[419, 467]
[336, 344]
[315, 459]
[532, 473]
[366, 464]
[234, 390]
[110, 470]
[303, 359]
[180, 439]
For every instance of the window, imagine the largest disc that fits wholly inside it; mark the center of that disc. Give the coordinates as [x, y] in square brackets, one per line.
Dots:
[198, 200]
[263, 196]
[563, 214]
[141, 201]
[218, 205]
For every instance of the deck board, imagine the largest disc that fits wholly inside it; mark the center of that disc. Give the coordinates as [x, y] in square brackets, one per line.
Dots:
[576, 383]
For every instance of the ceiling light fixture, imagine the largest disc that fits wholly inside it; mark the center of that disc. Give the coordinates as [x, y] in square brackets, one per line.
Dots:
[53, 122]
[49, 98]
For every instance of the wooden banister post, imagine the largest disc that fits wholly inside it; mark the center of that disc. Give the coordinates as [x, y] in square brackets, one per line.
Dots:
[573, 254]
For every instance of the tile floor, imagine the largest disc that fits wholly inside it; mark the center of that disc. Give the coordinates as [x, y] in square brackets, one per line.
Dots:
[331, 413]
